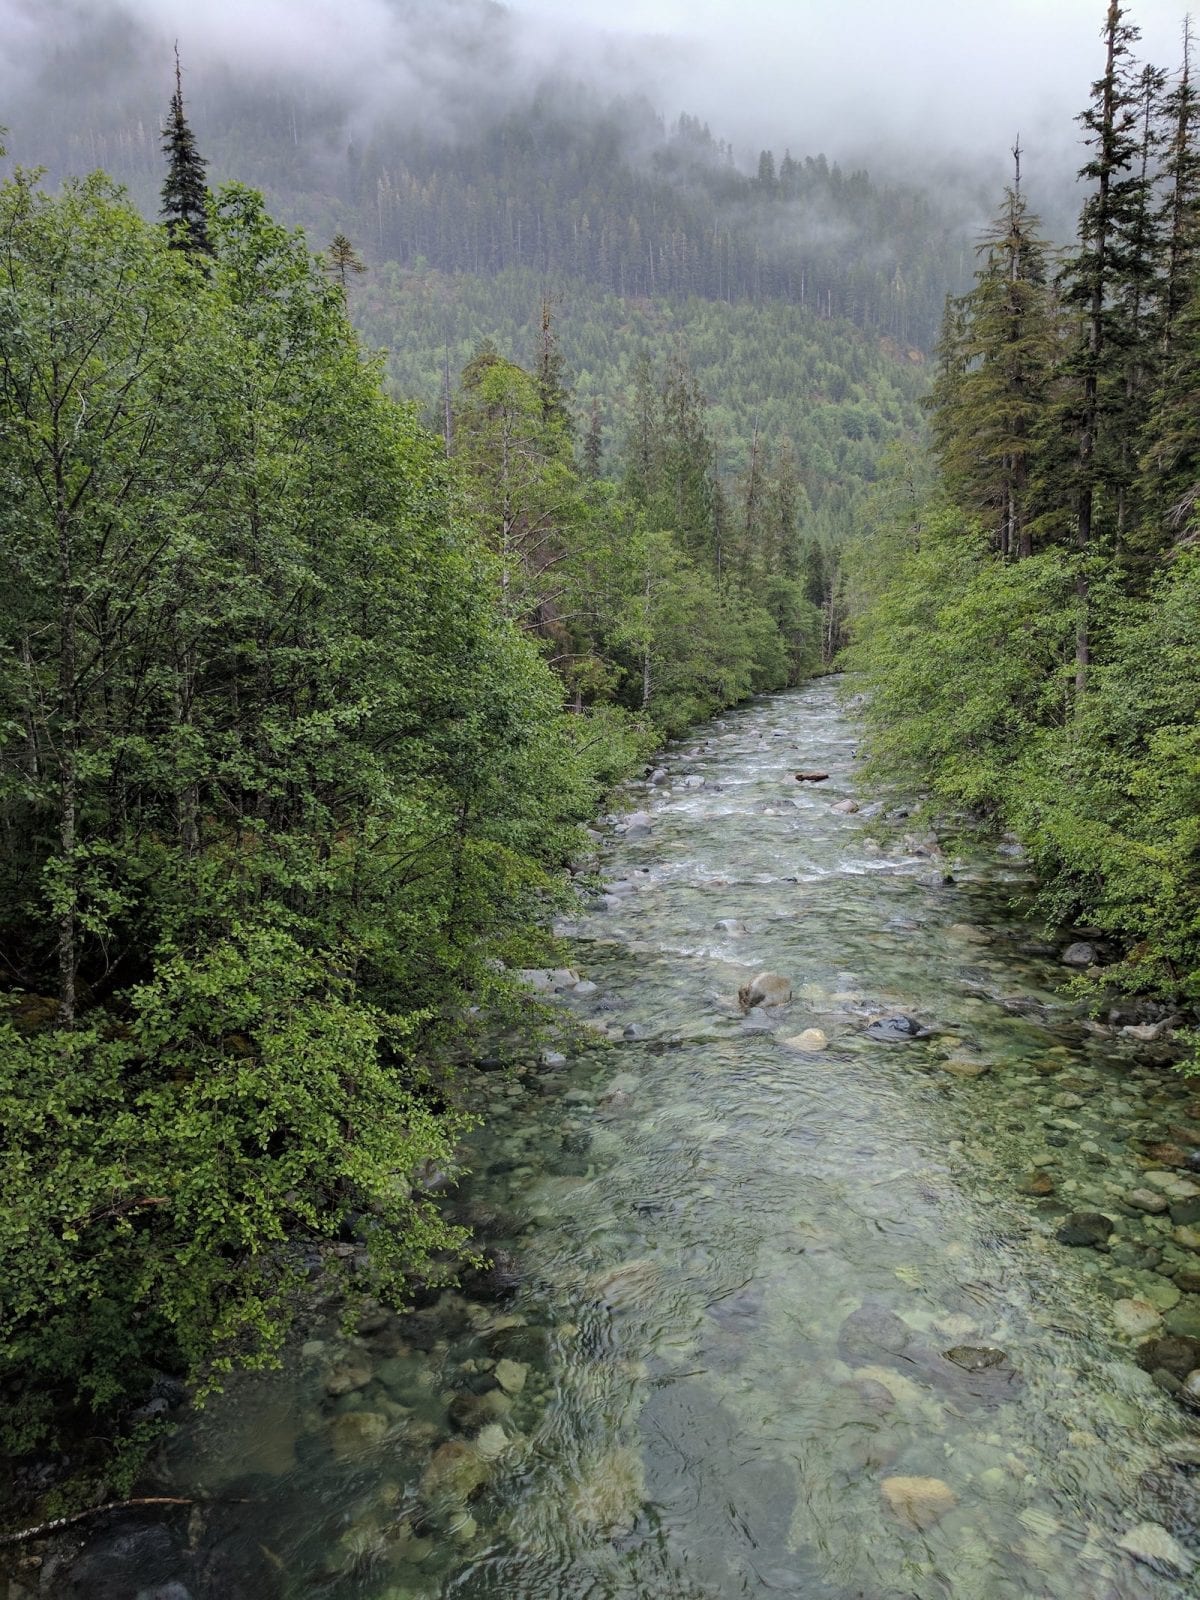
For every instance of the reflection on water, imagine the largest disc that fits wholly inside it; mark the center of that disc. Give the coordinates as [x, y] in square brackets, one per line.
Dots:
[712, 1359]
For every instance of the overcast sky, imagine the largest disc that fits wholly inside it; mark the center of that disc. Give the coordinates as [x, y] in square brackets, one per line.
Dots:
[843, 73]
[893, 83]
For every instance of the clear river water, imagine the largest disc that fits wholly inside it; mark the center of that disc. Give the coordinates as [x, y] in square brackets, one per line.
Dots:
[712, 1362]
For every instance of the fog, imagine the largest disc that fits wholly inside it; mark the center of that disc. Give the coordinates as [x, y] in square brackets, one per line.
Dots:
[916, 89]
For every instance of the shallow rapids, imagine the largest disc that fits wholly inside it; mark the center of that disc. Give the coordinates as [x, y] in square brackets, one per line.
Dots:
[737, 1267]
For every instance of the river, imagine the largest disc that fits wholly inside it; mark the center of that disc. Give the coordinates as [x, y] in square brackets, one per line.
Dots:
[738, 1265]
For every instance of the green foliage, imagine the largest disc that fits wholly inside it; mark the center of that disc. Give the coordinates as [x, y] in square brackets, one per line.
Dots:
[278, 784]
[1057, 693]
[1113, 810]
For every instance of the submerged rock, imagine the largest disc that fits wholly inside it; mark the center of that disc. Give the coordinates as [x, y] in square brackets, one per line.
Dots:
[1146, 1200]
[1039, 1184]
[895, 1030]
[975, 1358]
[355, 1432]
[845, 808]
[1085, 1228]
[455, 1472]
[918, 1503]
[1154, 1547]
[607, 1495]
[1135, 1317]
[768, 989]
[1174, 1353]
[966, 1067]
[511, 1375]
[872, 1332]
[810, 1041]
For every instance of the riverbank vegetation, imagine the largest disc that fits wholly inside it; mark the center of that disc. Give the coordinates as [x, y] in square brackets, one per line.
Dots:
[1027, 618]
[302, 707]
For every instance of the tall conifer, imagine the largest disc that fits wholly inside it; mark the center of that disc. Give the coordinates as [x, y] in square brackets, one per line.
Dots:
[185, 193]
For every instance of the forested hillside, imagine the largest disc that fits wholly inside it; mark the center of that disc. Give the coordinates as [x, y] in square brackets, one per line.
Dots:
[840, 397]
[1029, 628]
[570, 184]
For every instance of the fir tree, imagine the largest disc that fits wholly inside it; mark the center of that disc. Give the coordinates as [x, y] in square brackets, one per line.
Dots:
[1179, 218]
[1093, 280]
[342, 260]
[554, 392]
[184, 194]
[994, 368]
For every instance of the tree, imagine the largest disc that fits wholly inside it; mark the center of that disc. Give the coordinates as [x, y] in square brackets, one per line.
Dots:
[554, 393]
[1092, 279]
[593, 443]
[343, 260]
[184, 193]
[278, 790]
[995, 363]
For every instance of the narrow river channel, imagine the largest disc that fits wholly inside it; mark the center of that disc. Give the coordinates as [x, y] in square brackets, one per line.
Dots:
[735, 1267]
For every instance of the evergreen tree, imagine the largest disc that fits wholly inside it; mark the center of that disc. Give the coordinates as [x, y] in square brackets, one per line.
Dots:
[343, 260]
[1179, 216]
[994, 363]
[184, 194]
[554, 394]
[1092, 283]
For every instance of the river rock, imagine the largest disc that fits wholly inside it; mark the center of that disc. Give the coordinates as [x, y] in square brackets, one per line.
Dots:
[471, 1413]
[1146, 1200]
[511, 1375]
[845, 808]
[811, 777]
[1144, 1032]
[1135, 1318]
[1184, 1319]
[872, 1333]
[1085, 1228]
[810, 1041]
[347, 1376]
[1169, 1155]
[455, 1472]
[895, 1030]
[768, 989]
[1038, 1184]
[607, 1494]
[1080, 954]
[918, 1503]
[1154, 1547]
[1191, 1390]
[975, 1358]
[659, 775]
[966, 1067]
[1173, 1353]
[354, 1432]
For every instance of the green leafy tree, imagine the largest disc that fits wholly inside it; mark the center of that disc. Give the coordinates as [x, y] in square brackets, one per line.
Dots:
[279, 792]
